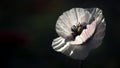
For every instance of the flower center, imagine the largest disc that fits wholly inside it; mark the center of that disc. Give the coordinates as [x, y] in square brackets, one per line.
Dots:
[77, 30]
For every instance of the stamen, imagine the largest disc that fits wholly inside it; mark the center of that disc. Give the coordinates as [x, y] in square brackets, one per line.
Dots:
[73, 28]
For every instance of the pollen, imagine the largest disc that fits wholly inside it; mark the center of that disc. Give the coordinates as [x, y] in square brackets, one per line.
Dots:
[79, 29]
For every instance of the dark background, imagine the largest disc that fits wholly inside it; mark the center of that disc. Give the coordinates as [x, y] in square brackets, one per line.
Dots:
[27, 28]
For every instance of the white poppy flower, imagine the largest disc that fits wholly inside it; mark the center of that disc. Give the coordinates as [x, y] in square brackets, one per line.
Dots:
[80, 30]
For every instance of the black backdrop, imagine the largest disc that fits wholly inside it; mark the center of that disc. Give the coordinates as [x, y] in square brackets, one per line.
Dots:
[27, 28]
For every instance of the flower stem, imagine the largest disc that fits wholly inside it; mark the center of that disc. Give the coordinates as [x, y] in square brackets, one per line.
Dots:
[80, 64]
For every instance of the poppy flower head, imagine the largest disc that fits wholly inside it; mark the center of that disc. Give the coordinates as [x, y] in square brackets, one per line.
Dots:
[80, 30]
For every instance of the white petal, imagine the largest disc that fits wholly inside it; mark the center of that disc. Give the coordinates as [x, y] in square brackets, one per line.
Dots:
[96, 40]
[59, 44]
[83, 15]
[80, 52]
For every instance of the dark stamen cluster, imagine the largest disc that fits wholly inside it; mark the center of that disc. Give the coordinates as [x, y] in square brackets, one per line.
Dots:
[77, 30]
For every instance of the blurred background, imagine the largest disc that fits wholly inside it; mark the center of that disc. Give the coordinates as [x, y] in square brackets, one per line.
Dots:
[27, 28]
